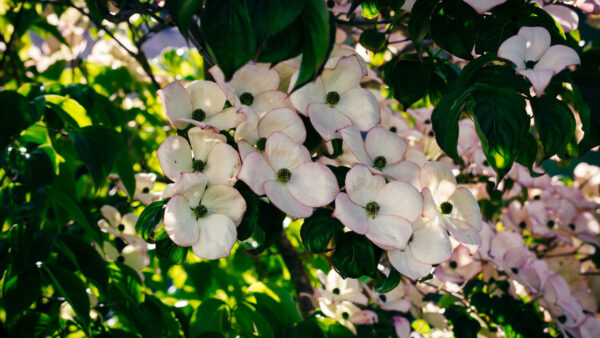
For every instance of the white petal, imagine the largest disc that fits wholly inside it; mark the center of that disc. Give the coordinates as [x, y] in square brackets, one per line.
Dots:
[254, 79]
[219, 77]
[482, 6]
[112, 215]
[389, 231]
[313, 184]
[176, 102]
[222, 165]
[361, 106]
[224, 199]
[175, 157]
[190, 185]
[128, 221]
[282, 152]
[255, 172]
[355, 143]
[284, 120]
[248, 129]
[327, 121]
[406, 264]
[513, 49]
[462, 232]
[430, 244]
[346, 75]
[180, 223]
[538, 78]
[208, 96]
[439, 179]
[465, 208]
[134, 258]
[351, 215]
[362, 185]
[406, 171]
[400, 199]
[279, 195]
[564, 16]
[226, 119]
[537, 42]
[268, 100]
[203, 140]
[382, 142]
[557, 58]
[245, 148]
[217, 237]
[313, 92]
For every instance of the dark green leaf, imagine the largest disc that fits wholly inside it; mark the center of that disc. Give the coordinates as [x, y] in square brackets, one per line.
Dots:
[463, 325]
[70, 286]
[270, 17]
[270, 225]
[554, 123]
[587, 102]
[18, 114]
[211, 316]
[250, 321]
[385, 284]
[373, 40]
[149, 219]
[124, 167]
[166, 249]
[19, 291]
[354, 255]
[62, 200]
[444, 120]
[318, 230]
[182, 11]
[454, 27]
[420, 16]
[87, 258]
[251, 216]
[408, 78]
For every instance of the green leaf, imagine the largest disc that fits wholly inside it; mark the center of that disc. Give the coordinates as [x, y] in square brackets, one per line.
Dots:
[270, 17]
[182, 11]
[211, 316]
[373, 40]
[19, 291]
[283, 45]
[62, 200]
[444, 120]
[528, 152]
[18, 114]
[587, 102]
[408, 78]
[318, 230]
[39, 169]
[274, 299]
[70, 111]
[87, 259]
[166, 249]
[250, 321]
[70, 286]
[354, 255]
[251, 216]
[270, 225]
[98, 148]
[228, 33]
[385, 284]
[124, 167]
[463, 325]
[454, 27]
[418, 24]
[554, 123]
[149, 219]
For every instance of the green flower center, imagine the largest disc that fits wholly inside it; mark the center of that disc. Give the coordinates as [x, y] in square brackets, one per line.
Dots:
[284, 175]
[120, 259]
[550, 224]
[453, 265]
[121, 227]
[446, 208]
[383, 298]
[332, 98]
[247, 99]
[379, 162]
[572, 226]
[261, 143]
[345, 315]
[198, 166]
[200, 211]
[393, 129]
[530, 64]
[146, 190]
[199, 115]
[372, 208]
[336, 291]
[522, 225]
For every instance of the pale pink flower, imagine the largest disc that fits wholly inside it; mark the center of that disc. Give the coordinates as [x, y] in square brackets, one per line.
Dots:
[482, 6]
[395, 300]
[463, 266]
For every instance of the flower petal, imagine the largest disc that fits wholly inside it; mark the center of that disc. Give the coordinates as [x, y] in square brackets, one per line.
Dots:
[245, 148]
[313, 92]
[177, 103]
[354, 141]
[539, 79]
[382, 142]
[254, 79]
[248, 129]
[406, 171]
[279, 195]
[190, 185]
[430, 243]
[222, 165]
[203, 140]
[226, 119]
[462, 232]
[206, 95]
[282, 152]
[217, 237]
[400, 199]
[389, 231]
[175, 157]
[514, 49]
[482, 6]
[313, 184]
[537, 42]
[268, 100]
[346, 75]
[465, 208]
[180, 223]
[284, 120]
[255, 172]
[327, 121]
[564, 16]
[361, 106]
[351, 215]
[439, 179]
[112, 215]
[557, 58]
[406, 264]
[224, 199]
[362, 185]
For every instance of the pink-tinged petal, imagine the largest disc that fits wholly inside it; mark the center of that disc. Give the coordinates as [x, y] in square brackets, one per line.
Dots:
[465, 208]
[517, 256]
[177, 103]
[502, 242]
[430, 209]
[219, 77]
[538, 41]
[361, 106]
[224, 199]
[406, 264]
[203, 140]
[400, 199]
[439, 179]
[284, 120]
[564, 16]
[482, 6]
[245, 148]
[462, 232]
[279, 195]
[217, 237]
[590, 327]
[226, 119]
[382, 142]
[313, 92]
[112, 215]
[364, 317]
[514, 49]
[248, 129]
[190, 185]
[430, 243]
[134, 258]
[255, 172]
[282, 152]
[175, 157]
[400, 305]
[557, 58]
[346, 75]
[327, 121]
[105, 227]
[351, 215]
[208, 96]
[406, 171]
[269, 100]
[254, 79]
[222, 165]
[180, 223]
[401, 324]
[362, 185]
[539, 79]
[313, 184]
[354, 141]
[128, 221]
[389, 231]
